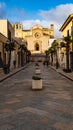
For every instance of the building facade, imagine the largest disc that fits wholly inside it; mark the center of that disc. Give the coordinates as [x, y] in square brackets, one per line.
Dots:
[67, 30]
[2, 54]
[6, 33]
[6, 29]
[37, 38]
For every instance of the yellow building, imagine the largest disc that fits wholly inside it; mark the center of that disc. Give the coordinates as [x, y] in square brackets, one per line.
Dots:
[67, 25]
[2, 41]
[37, 37]
[6, 29]
[67, 29]
[6, 33]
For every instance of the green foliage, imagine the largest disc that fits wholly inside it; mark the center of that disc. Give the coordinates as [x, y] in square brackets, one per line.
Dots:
[55, 44]
[36, 78]
[10, 46]
[36, 64]
[23, 47]
[62, 44]
[51, 50]
[47, 52]
[68, 39]
[54, 47]
[29, 53]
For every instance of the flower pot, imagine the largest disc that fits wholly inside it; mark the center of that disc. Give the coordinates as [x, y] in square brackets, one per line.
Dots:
[67, 70]
[37, 71]
[36, 83]
[6, 69]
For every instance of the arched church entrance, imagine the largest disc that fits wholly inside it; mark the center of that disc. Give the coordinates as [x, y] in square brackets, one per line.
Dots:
[36, 47]
[37, 55]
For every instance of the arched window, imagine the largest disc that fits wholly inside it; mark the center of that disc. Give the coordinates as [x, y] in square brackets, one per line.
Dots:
[16, 26]
[37, 47]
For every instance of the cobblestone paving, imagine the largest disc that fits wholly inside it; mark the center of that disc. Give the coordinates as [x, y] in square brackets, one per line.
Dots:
[22, 108]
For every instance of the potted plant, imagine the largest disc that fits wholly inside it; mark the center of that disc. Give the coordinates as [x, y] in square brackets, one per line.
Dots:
[36, 64]
[6, 69]
[36, 82]
[37, 69]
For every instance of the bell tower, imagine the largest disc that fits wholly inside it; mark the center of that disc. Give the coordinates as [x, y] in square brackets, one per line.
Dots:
[18, 27]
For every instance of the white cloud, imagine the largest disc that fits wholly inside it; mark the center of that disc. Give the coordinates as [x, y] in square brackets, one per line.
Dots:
[55, 16]
[58, 14]
[30, 23]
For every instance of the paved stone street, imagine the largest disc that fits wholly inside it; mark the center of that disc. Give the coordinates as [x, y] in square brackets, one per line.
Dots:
[22, 108]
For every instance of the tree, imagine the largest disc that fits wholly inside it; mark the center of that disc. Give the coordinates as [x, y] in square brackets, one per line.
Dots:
[68, 40]
[23, 50]
[9, 46]
[55, 45]
[53, 51]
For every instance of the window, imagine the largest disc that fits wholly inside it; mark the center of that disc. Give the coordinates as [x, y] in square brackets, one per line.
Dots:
[37, 35]
[67, 32]
[16, 26]
[19, 26]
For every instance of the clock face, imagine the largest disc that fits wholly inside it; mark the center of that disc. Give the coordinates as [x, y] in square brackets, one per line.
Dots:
[37, 35]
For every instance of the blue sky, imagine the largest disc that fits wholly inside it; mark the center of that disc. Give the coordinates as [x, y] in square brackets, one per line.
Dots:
[43, 12]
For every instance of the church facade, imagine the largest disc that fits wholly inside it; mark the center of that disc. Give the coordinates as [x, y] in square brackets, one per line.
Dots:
[36, 38]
